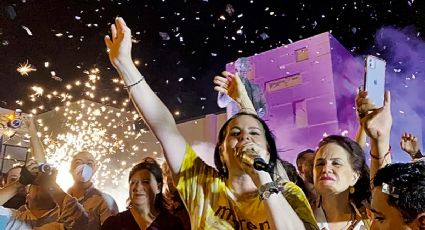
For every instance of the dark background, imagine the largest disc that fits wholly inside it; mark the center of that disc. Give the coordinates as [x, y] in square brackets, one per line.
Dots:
[201, 42]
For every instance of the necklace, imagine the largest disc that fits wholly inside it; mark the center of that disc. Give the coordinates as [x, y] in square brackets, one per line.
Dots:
[350, 224]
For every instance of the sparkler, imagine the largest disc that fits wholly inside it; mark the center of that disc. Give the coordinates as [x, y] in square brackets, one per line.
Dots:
[25, 68]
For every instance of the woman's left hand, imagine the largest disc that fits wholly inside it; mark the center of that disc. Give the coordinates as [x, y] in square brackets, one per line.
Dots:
[230, 84]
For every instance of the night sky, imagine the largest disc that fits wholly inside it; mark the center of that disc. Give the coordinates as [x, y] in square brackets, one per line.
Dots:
[179, 45]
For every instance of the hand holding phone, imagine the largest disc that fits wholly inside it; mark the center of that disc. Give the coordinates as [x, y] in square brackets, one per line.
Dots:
[374, 80]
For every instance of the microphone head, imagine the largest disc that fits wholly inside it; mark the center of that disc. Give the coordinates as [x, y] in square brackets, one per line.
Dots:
[260, 165]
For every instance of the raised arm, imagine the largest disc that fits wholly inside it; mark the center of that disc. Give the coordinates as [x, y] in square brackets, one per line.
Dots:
[361, 112]
[377, 125]
[28, 175]
[409, 144]
[37, 148]
[155, 113]
[232, 85]
[72, 213]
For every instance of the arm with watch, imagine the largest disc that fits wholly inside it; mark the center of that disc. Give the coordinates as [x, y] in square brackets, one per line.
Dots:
[409, 143]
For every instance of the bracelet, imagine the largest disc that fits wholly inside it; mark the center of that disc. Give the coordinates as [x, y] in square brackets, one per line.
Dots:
[137, 82]
[378, 158]
[418, 155]
[269, 188]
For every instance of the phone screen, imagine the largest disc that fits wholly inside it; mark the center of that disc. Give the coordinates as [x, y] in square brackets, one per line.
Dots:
[374, 82]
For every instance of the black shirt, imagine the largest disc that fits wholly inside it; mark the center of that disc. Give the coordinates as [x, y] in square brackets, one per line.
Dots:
[125, 221]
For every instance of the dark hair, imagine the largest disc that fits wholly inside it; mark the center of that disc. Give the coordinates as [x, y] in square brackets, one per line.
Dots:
[303, 153]
[153, 167]
[358, 163]
[221, 167]
[407, 180]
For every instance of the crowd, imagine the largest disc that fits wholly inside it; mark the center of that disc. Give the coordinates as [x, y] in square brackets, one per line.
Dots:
[250, 187]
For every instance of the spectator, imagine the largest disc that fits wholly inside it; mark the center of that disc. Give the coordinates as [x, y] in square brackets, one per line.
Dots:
[19, 198]
[98, 205]
[398, 198]
[47, 205]
[341, 179]
[147, 209]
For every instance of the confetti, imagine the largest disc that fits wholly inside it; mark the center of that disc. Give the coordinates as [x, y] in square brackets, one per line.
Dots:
[164, 36]
[27, 30]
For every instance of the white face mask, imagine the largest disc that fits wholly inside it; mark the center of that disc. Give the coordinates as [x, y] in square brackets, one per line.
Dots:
[83, 173]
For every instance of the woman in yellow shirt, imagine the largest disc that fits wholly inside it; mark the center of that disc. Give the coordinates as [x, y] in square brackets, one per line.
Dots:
[236, 196]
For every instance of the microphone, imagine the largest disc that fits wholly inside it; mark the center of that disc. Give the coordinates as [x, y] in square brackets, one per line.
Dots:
[250, 157]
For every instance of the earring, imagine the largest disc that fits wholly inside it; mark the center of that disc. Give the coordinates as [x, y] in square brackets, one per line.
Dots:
[352, 190]
[224, 170]
[223, 166]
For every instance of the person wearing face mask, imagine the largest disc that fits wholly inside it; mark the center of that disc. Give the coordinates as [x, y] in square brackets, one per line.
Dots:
[99, 205]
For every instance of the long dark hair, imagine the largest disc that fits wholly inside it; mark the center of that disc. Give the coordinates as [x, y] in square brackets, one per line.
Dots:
[153, 167]
[357, 161]
[221, 167]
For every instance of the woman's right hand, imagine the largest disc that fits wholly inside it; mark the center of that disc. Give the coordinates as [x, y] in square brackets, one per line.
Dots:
[119, 45]
[363, 105]
[377, 123]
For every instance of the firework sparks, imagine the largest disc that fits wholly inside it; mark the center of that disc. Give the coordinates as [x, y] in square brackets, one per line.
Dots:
[25, 68]
[38, 91]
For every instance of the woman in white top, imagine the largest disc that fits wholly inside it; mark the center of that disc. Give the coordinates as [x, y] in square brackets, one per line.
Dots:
[341, 178]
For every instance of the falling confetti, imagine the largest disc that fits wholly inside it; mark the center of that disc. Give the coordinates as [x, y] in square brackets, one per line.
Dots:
[229, 9]
[27, 30]
[169, 42]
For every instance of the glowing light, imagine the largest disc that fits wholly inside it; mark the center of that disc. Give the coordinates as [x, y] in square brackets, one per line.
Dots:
[25, 68]
[38, 91]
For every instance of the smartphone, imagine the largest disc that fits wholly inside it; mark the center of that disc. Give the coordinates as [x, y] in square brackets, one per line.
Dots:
[374, 80]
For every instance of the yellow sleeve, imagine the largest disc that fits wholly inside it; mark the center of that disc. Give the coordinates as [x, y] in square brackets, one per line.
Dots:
[298, 201]
[193, 177]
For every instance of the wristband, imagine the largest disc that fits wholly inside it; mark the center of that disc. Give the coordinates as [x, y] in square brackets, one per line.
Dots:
[418, 155]
[137, 82]
[267, 189]
[378, 158]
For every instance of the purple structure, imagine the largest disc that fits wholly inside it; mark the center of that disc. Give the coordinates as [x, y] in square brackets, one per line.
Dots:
[310, 89]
